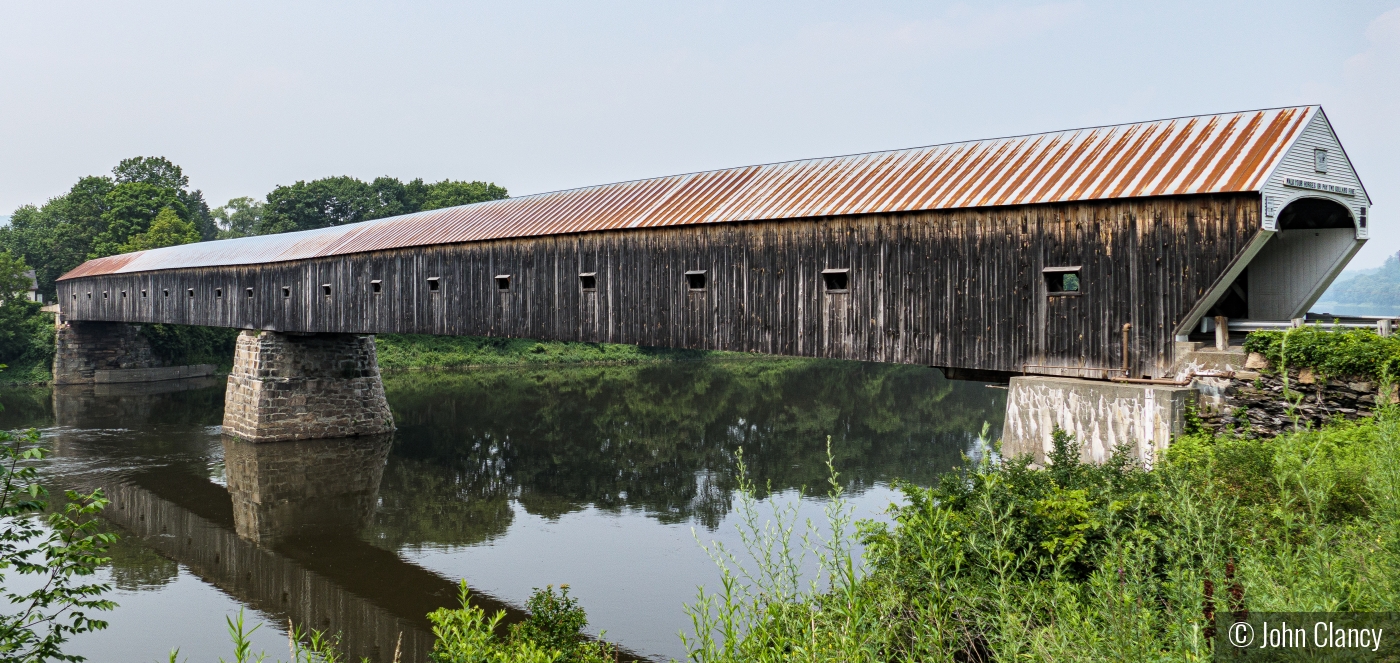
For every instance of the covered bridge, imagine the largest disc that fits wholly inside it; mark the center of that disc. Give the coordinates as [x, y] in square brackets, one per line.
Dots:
[1016, 255]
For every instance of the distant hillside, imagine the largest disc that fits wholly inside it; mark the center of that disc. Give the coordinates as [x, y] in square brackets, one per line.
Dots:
[1369, 292]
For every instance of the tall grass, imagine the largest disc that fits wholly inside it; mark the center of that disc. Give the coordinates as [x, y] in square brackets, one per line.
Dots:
[1079, 562]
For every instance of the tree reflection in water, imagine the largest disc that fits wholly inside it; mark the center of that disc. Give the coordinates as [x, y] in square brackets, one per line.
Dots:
[660, 438]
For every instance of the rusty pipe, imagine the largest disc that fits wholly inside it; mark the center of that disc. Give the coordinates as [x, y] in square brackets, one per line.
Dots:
[1127, 327]
[1184, 381]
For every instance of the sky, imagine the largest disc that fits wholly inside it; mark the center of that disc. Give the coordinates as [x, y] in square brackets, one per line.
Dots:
[541, 96]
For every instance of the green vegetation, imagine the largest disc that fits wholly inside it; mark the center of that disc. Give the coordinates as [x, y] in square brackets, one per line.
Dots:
[413, 351]
[334, 201]
[1078, 562]
[1339, 352]
[56, 561]
[552, 633]
[26, 333]
[184, 344]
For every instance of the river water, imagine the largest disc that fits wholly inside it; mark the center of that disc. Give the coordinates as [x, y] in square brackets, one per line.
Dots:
[605, 478]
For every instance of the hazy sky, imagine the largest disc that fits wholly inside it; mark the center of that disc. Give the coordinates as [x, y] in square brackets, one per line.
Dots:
[539, 96]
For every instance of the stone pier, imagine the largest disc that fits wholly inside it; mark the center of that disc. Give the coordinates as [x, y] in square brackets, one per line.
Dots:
[84, 348]
[302, 386]
[112, 353]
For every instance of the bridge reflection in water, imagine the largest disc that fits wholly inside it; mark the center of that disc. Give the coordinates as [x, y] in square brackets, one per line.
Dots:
[283, 536]
[318, 531]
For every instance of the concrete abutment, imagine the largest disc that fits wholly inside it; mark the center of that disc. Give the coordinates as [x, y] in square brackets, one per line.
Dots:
[1100, 415]
[305, 386]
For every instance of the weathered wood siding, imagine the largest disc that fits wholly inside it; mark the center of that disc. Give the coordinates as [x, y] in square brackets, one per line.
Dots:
[960, 288]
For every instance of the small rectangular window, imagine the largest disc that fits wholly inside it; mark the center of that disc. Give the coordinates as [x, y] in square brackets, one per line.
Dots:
[123, 294]
[1062, 281]
[286, 291]
[588, 281]
[326, 289]
[143, 293]
[503, 281]
[836, 280]
[191, 293]
[166, 291]
[376, 286]
[696, 279]
[1320, 160]
[435, 283]
[1361, 217]
[89, 295]
[218, 293]
[249, 292]
[104, 294]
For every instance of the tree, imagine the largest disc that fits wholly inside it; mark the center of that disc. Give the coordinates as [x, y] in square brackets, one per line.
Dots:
[58, 236]
[131, 208]
[63, 556]
[14, 277]
[332, 201]
[448, 193]
[155, 171]
[160, 172]
[167, 229]
[25, 332]
[239, 217]
[335, 201]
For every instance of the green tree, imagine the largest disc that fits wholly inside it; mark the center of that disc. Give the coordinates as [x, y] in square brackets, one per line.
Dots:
[14, 277]
[61, 558]
[335, 201]
[239, 217]
[332, 201]
[160, 172]
[155, 171]
[448, 193]
[25, 332]
[167, 229]
[58, 236]
[132, 206]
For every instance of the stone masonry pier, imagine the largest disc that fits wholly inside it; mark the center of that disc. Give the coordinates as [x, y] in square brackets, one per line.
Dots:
[303, 386]
[83, 349]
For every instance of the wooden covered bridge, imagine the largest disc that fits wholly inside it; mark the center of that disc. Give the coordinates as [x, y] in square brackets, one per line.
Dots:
[1021, 255]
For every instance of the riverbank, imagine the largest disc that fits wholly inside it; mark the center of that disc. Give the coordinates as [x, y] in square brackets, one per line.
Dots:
[397, 353]
[1090, 562]
[408, 352]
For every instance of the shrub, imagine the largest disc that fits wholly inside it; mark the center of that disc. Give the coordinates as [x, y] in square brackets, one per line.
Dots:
[64, 555]
[1332, 352]
[551, 634]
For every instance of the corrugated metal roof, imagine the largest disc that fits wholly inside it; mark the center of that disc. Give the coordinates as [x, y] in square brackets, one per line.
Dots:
[1232, 152]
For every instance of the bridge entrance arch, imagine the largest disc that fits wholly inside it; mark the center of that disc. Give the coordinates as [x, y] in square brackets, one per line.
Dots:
[1315, 238]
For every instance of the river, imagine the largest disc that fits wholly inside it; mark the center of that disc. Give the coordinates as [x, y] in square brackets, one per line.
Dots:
[605, 478]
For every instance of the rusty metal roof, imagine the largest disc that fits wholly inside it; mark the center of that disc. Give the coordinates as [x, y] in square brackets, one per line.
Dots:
[1232, 152]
